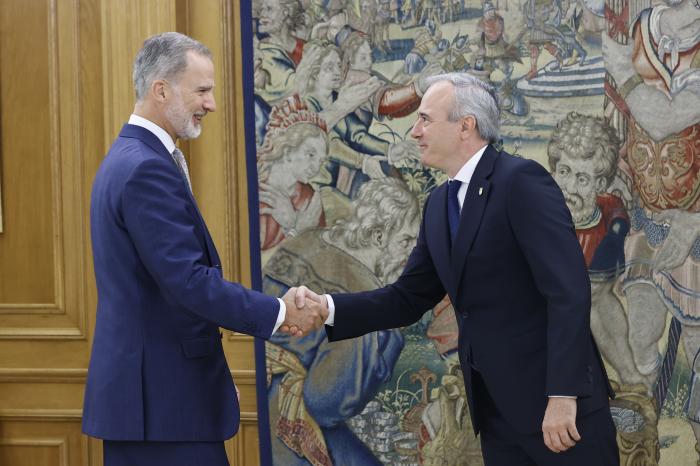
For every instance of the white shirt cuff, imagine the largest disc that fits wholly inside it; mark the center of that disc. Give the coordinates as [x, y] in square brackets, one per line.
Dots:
[563, 396]
[331, 310]
[280, 316]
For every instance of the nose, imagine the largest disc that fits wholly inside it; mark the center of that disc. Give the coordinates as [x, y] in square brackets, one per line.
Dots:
[569, 184]
[210, 103]
[416, 130]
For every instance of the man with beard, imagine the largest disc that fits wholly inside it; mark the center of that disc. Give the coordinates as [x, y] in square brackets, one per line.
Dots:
[159, 391]
[316, 386]
[583, 157]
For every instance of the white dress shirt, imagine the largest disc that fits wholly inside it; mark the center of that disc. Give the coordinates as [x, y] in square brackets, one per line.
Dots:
[169, 144]
[464, 175]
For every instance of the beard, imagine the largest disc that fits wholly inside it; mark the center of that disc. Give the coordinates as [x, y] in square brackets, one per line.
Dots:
[182, 120]
[581, 211]
[389, 269]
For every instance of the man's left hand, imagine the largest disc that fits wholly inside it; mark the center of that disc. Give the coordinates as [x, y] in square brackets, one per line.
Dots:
[559, 424]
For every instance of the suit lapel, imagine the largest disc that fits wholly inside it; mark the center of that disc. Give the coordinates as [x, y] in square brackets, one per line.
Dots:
[152, 141]
[472, 213]
[438, 216]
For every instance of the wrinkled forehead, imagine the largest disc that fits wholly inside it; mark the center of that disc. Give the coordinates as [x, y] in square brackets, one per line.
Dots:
[577, 164]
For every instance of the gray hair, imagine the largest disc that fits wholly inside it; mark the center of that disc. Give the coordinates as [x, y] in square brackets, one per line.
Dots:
[381, 205]
[473, 97]
[584, 137]
[163, 56]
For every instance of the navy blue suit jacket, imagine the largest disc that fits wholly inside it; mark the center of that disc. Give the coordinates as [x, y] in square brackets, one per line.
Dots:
[157, 370]
[519, 285]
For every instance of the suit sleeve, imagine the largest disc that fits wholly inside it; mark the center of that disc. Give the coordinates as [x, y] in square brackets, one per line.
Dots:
[402, 303]
[161, 221]
[545, 232]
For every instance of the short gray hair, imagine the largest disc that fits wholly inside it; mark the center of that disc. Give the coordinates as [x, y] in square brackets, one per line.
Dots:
[586, 137]
[163, 56]
[473, 97]
[384, 205]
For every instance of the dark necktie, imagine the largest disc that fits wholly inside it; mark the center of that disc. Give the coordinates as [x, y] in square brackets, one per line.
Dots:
[453, 207]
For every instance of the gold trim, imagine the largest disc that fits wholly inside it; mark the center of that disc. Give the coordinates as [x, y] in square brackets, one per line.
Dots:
[79, 375]
[70, 415]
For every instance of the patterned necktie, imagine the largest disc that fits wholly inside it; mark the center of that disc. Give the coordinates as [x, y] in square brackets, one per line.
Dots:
[179, 159]
[453, 207]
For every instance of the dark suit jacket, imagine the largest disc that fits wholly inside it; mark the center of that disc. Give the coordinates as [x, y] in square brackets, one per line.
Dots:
[518, 282]
[157, 370]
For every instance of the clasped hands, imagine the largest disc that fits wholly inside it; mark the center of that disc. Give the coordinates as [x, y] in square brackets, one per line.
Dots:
[306, 311]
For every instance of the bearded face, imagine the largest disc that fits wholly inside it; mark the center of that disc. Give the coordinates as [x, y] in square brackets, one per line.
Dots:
[395, 251]
[580, 186]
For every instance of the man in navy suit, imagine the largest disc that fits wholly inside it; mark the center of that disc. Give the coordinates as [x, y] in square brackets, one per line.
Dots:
[159, 391]
[499, 240]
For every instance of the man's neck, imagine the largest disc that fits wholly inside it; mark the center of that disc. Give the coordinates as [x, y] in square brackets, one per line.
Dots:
[464, 155]
[153, 115]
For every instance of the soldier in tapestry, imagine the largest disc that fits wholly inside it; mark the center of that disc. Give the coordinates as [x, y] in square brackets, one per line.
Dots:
[605, 93]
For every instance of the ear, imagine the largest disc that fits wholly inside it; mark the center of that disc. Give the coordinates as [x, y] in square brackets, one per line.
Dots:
[160, 90]
[601, 184]
[378, 237]
[467, 128]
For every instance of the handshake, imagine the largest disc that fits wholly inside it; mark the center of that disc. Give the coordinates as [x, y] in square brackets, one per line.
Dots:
[306, 311]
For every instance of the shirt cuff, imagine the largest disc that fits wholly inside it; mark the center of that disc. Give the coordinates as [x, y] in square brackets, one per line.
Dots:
[331, 310]
[563, 396]
[280, 316]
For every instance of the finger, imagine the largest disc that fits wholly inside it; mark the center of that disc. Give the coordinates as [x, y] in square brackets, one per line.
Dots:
[548, 442]
[566, 440]
[284, 328]
[300, 296]
[573, 432]
[556, 442]
[267, 198]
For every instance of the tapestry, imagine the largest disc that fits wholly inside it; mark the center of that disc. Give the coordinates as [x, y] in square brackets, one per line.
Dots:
[604, 93]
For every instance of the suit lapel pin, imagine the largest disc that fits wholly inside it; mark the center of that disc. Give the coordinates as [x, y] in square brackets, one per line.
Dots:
[481, 191]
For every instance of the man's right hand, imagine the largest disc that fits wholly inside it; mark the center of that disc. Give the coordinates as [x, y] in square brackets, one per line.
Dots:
[303, 316]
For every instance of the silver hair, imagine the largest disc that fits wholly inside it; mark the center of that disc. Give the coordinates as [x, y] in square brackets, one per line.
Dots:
[584, 137]
[381, 205]
[163, 56]
[473, 97]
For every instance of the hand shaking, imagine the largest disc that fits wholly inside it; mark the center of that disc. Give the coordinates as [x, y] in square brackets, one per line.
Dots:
[306, 311]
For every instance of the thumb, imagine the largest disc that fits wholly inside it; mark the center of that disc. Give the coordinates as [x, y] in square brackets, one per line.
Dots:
[573, 432]
[300, 296]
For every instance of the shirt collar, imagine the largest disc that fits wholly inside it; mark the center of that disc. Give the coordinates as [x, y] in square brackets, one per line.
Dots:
[467, 171]
[159, 132]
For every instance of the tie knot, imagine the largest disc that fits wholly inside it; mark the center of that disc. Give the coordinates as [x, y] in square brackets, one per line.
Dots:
[453, 187]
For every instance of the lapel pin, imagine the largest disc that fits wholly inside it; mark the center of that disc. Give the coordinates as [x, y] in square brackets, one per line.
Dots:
[481, 191]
